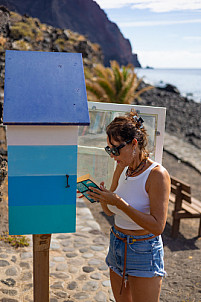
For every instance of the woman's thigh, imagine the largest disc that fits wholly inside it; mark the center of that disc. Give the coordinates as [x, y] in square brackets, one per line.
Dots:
[116, 282]
[145, 289]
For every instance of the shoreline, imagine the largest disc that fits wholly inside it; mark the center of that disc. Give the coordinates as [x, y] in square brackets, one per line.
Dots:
[161, 77]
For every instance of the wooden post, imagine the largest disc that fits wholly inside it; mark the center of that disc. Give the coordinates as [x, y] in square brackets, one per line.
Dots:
[41, 246]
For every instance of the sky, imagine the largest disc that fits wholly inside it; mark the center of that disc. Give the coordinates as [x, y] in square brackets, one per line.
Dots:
[163, 33]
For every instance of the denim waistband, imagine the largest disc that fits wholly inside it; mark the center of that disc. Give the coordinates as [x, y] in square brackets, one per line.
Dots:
[122, 235]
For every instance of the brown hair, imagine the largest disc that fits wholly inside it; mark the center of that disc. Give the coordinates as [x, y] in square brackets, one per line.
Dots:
[128, 127]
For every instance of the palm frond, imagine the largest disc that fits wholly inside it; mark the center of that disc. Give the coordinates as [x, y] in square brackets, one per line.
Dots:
[94, 88]
[138, 93]
[118, 78]
[107, 87]
[115, 84]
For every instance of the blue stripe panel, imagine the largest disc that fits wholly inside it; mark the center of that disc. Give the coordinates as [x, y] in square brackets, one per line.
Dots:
[42, 219]
[41, 190]
[42, 160]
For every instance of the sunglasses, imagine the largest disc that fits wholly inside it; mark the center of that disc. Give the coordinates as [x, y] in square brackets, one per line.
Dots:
[115, 150]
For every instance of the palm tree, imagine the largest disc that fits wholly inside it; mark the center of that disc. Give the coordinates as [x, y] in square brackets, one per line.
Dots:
[113, 84]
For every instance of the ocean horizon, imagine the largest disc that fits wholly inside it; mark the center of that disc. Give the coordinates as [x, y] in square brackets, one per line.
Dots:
[187, 80]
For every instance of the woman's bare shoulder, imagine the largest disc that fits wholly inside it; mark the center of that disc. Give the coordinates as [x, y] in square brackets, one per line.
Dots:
[159, 172]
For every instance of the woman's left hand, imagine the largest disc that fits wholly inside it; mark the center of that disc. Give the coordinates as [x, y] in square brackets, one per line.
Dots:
[104, 196]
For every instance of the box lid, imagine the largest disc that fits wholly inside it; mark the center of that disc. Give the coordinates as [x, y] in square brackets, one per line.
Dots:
[44, 88]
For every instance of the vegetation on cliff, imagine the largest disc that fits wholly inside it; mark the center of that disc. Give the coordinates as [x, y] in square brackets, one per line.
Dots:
[113, 84]
[85, 17]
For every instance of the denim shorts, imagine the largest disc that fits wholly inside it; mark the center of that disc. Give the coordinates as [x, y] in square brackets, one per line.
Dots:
[144, 258]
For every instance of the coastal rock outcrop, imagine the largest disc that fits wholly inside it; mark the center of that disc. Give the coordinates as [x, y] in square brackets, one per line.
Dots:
[85, 17]
[182, 114]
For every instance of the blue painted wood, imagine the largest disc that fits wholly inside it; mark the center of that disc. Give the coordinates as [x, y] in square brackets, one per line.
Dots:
[42, 219]
[42, 160]
[41, 190]
[44, 88]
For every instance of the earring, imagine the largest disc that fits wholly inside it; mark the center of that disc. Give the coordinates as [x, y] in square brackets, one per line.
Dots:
[134, 152]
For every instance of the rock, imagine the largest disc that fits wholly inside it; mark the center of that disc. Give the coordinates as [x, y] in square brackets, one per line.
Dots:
[103, 267]
[9, 300]
[53, 300]
[27, 287]
[83, 250]
[61, 294]
[60, 275]
[82, 277]
[62, 267]
[24, 265]
[66, 243]
[169, 88]
[59, 259]
[100, 297]
[106, 283]
[90, 286]
[97, 248]
[11, 271]
[95, 261]
[26, 276]
[87, 255]
[63, 237]
[26, 255]
[9, 282]
[57, 285]
[4, 263]
[71, 255]
[96, 276]
[81, 296]
[13, 259]
[3, 256]
[73, 270]
[87, 269]
[72, 285]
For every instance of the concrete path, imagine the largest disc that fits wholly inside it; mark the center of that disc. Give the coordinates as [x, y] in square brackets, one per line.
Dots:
[183, 151]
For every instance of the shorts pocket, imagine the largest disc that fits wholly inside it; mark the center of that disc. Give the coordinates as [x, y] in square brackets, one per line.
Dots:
[139, 256]
[140, 246]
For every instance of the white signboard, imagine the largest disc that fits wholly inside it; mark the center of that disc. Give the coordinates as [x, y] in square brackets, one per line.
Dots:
[92, 157]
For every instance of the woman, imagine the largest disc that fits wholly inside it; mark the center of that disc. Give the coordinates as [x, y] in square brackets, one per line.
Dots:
[138, 198]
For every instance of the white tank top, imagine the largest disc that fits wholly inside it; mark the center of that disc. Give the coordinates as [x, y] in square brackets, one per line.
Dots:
[132, 190]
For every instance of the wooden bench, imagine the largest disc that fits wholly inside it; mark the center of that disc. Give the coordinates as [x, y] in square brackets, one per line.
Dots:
[185, 206]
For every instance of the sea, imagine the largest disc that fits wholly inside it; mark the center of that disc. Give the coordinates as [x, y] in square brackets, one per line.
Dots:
[187, 81]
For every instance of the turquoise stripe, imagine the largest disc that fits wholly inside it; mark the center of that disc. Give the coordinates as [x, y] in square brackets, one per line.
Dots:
[40, 160]
[42, 219]
[41, 190]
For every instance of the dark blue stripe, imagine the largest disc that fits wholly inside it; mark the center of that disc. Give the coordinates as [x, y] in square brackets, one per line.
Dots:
[41, 190]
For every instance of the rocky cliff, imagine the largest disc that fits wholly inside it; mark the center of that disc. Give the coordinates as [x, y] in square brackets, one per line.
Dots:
[84, 17]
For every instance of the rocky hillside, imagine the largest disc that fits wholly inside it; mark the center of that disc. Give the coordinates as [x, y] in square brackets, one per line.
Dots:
[182, 115]
[84, 17]
[24, 33]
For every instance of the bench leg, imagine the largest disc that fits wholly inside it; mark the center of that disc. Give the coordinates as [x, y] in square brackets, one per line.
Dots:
[199, 230]
[175, 227]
